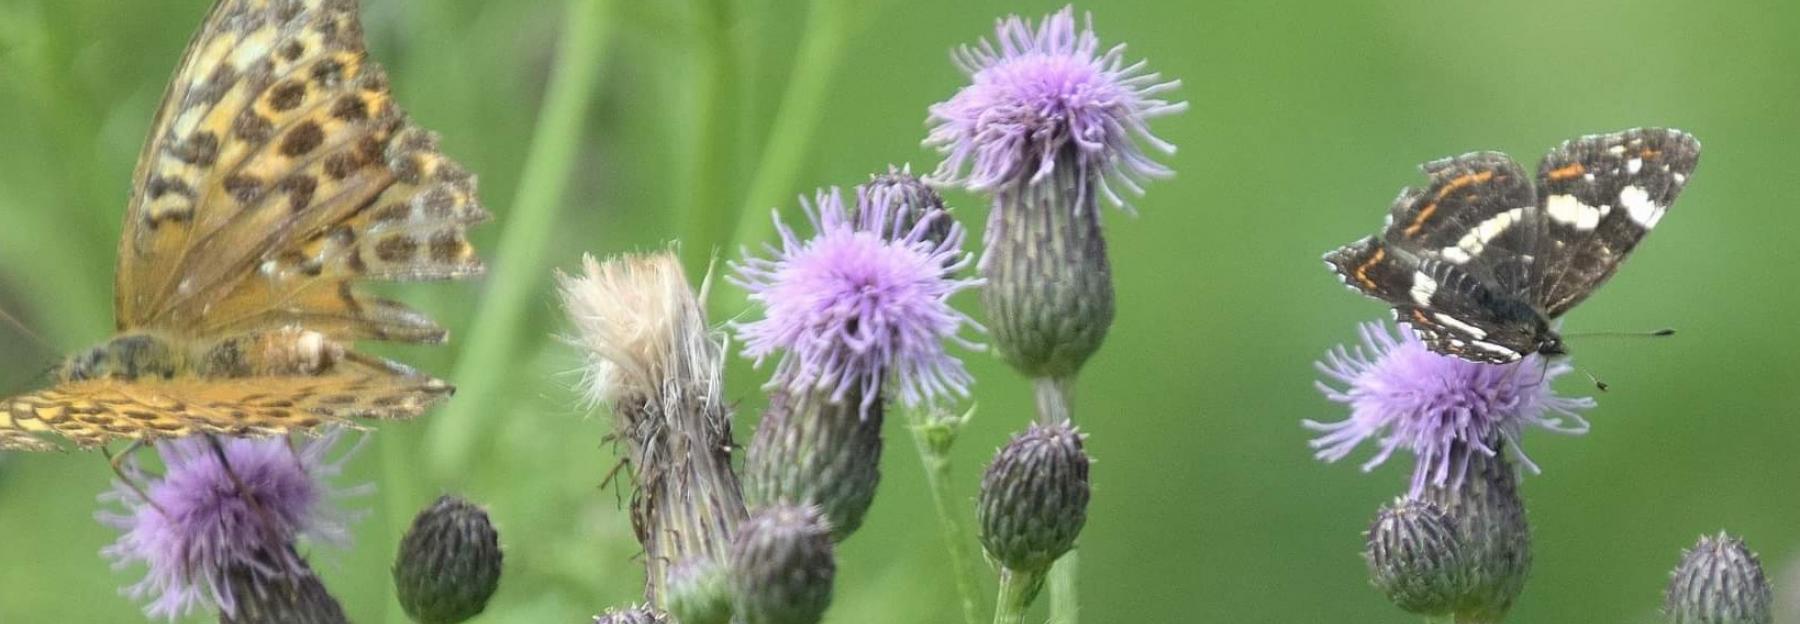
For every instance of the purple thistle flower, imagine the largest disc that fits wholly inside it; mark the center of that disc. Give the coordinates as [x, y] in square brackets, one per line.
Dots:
[860, 303]
[1039, 91]
[1441, 408]
[197, 524]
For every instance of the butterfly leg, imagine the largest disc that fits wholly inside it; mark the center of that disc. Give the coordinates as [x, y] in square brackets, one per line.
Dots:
[117, 463]
[243, 491]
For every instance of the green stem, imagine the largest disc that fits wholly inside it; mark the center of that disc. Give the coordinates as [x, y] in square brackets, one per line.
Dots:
[520, 257]
[1055, 400]
[704, 215]
[1065, 603]
[791, 131]
[1017, 589]
[935, 458]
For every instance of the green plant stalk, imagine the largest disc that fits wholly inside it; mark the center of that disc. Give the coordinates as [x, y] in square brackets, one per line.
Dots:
[520, 256]
[790, 133]
[935, 458]
[1056, 404]
[706, 220]
[1017, 589]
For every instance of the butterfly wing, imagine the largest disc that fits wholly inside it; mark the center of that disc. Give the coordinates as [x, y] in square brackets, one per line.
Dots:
[278, 170]
[93, 412]
[1477, 213]
[1600, 195]
[1454, 311]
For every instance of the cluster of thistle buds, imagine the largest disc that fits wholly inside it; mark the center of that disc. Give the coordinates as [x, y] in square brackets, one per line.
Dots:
[1456, 547]
[221, 529]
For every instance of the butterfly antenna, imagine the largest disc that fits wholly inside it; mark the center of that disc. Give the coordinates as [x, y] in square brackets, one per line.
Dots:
[1658, 333]
[35, 337]
[1598, 385]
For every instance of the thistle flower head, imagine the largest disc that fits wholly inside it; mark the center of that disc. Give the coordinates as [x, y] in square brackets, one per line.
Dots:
[1433, 405]
[782, 566]
[1719, 581]
[1043, 96]
[197, 525]
[449, 563]
[1416, 557]
[1034, 498]
[857, 306]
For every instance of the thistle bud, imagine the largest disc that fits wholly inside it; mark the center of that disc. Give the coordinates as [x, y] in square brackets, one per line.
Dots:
[1415, 558]
[812, 451]
[698, 593]
[449, 563]
[631, 615]
[1490, 525]
[908, 201]
[1719, 581]
[1034, 498]
[782, 566]
[1049, 293]
[279, 589]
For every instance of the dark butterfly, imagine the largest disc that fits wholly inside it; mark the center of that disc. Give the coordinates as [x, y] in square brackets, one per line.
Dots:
[1481, 261]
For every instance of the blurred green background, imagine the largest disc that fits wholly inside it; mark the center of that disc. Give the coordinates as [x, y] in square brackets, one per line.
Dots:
[1306, 119]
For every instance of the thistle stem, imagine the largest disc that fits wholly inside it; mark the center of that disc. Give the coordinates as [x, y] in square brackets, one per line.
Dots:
[1017, 589]
[936, 460]
[1056, 405]
[1055, 400]
[524, 243]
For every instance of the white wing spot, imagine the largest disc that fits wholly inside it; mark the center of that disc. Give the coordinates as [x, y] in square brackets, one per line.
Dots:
[1423, 287]
[1477, 239]
[1637, 202]
[1567, 210]
[1489, 347]
[1451, 321]
[1634, 165]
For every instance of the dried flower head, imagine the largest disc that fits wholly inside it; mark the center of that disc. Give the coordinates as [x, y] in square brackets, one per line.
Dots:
[631, 615]
[1045, 96]
[197, 524]
[1433, 405]
[1719, 581]
[853, 308]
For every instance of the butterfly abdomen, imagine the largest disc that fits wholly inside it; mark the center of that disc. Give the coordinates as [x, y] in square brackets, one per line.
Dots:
[125, 357]
[290, 351]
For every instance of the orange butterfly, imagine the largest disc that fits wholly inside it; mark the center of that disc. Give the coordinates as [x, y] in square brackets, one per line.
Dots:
[278, 171]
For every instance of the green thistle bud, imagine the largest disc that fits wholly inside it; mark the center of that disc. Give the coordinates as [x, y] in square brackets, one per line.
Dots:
[812, 451]
[449, 563]
[632, 615]
[1719, 581]
[1415, 558]
[1049, 293]
[1490, 524]
[698, 593]
[1034, 498]
[782, 566]
[288, 592]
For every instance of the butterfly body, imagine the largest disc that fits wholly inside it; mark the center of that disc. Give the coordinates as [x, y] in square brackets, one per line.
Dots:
[1484, 260]
[278, 173]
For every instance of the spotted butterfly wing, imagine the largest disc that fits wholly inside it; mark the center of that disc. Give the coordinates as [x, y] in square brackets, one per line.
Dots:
[278, 171]
[1481, 261]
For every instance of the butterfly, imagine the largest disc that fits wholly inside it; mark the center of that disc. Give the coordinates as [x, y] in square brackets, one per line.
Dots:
[1483, 260]
[278, 173]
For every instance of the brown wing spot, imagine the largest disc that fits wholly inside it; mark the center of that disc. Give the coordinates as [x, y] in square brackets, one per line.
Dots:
[396, 248]
[293, 51]
[244, 187]
[299, 189]
[1567, 171]
[337, 399]
[1362, 270]
[392, 213]
[163, 185]
[328, 72]
[275, 414]
[252, 127]
[287, 97]
[201, 149]
[446, 247]
[138, 415]
[302, 139]
[350, 107]
[341, 165]
[438, 201]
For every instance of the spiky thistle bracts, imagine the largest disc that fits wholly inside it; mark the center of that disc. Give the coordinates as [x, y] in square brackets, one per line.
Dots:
[449, 563]
[859, 307]
[1436, 407]
[1719, 581]
[653, 360]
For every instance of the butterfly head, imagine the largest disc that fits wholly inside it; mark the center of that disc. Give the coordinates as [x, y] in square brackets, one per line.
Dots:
[1550, 344]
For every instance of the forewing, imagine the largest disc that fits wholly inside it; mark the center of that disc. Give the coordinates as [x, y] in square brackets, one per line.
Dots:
[277, 170]
[1601, 194]
[1478, 213]
[94, 412]
[1455, 312]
